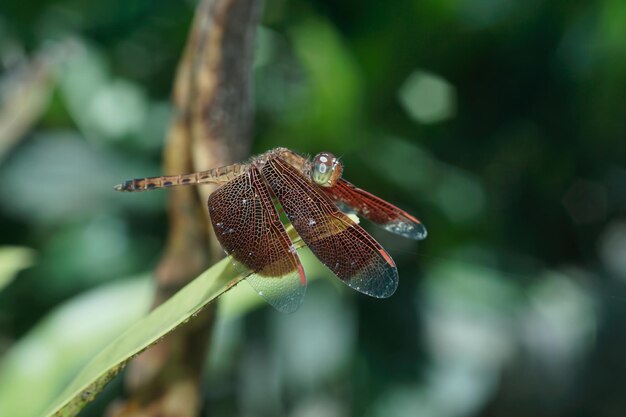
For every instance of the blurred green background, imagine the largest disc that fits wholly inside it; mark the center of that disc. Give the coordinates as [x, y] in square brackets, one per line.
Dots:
[500, 123]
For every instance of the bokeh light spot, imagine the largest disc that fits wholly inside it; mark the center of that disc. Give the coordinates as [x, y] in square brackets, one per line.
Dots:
[428, 98]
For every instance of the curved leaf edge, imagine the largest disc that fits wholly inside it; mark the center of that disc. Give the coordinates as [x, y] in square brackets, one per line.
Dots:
[215, 281]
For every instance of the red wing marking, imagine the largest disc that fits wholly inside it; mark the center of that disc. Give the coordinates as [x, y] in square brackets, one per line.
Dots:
[386, 256]
[342, 245]
[375, 209]
[248, 227]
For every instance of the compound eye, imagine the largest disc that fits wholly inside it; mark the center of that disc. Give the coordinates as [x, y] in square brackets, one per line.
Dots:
[326, 169]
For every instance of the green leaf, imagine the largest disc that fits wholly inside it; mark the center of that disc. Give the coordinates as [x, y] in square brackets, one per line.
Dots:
[12, 260]
[56, 349]
[168, 316]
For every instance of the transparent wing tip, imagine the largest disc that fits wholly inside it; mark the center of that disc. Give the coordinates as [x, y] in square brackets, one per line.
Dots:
[285, 293]
[412, 230]
[376, 286]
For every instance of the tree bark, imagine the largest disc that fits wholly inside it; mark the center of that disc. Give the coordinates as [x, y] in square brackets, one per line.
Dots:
[211, 127]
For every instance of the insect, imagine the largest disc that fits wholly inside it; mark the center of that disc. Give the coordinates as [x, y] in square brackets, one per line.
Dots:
[315, 199]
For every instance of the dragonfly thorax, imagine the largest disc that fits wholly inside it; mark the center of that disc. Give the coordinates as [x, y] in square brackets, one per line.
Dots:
[326, 169]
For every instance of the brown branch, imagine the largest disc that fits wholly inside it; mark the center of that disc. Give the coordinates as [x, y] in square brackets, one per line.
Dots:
[25, 95]
[211, 127]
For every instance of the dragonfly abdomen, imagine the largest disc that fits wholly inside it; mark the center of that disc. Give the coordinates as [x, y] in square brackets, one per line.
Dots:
[219, 175]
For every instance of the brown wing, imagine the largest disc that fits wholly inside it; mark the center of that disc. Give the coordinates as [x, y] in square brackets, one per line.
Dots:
[342, 245]
[248, 227]
[375, 209]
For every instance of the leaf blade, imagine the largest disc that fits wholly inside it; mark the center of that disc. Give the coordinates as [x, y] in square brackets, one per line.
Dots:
[149, 330]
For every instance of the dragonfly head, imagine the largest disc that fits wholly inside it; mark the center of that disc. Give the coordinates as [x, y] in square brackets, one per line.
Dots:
[326, 169]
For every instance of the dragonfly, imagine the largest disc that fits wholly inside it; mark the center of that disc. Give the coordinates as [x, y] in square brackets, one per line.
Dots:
[245, 213]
